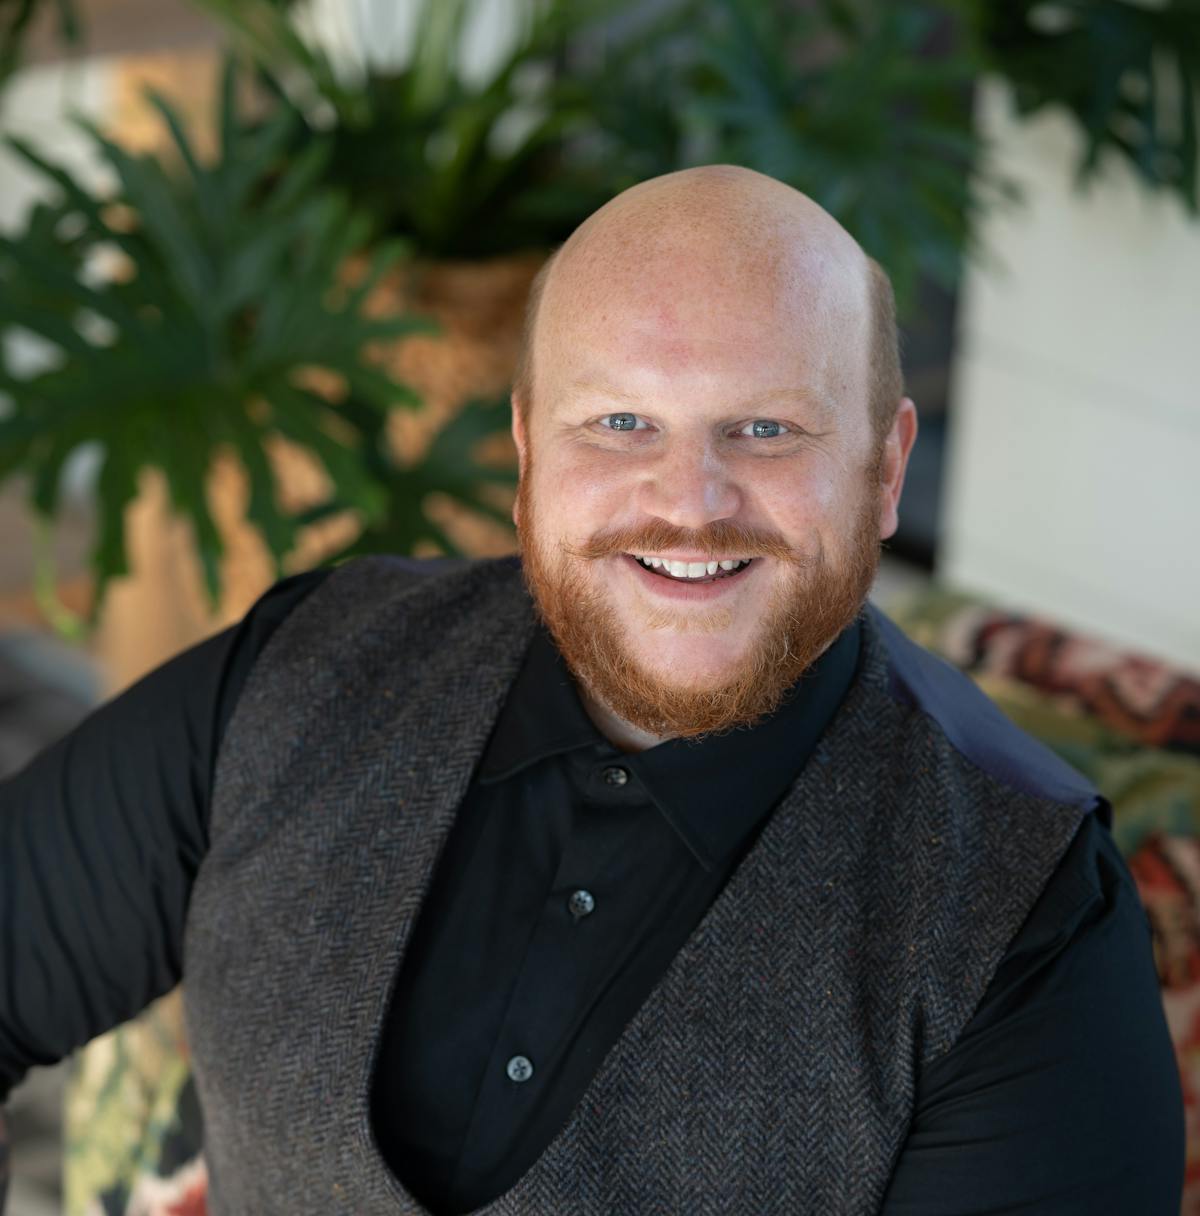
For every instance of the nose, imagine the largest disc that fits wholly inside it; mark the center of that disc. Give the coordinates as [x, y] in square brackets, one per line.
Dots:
[689, 487]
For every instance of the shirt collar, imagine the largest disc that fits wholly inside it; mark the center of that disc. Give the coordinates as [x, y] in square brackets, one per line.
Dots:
[714, 790]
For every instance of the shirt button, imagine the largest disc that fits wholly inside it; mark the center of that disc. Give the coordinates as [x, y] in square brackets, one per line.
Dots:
[580, 903]
[615, 775]
[520, 1068]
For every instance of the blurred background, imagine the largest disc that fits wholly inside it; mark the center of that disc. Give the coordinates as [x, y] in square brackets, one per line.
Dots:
[262, 273]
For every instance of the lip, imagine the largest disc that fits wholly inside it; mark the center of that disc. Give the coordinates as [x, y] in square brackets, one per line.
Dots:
[676, 589]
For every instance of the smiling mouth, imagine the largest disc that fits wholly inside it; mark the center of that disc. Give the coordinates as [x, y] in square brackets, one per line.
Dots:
[693, 572]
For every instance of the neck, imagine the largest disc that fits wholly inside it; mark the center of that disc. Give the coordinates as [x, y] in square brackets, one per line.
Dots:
[614, 728]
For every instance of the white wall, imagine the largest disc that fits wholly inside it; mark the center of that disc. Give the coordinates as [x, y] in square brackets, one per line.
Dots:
[1074, 471]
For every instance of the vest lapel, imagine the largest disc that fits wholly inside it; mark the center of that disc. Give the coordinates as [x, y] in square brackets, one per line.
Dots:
[478, 659]
[372, 750]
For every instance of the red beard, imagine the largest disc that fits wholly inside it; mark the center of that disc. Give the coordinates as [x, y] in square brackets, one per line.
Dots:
[803, 618]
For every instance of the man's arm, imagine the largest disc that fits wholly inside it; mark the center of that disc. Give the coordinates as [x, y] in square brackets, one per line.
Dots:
[1062, 1095]
[101, 836]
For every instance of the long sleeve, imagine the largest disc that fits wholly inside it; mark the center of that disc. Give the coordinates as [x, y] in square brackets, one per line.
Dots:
[1062, 1095]
[101, 835]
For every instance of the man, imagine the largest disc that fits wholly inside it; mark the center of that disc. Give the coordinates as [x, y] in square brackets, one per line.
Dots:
[654, 874]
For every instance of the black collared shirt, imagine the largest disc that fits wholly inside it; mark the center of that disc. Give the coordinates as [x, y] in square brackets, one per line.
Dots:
[572, 875]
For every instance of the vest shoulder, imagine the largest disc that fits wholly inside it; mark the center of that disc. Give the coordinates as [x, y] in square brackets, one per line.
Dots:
[373, 612]
[398, 572]
[974, 725]
[377, 585]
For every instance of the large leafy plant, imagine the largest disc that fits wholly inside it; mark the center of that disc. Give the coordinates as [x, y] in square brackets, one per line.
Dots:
[192, 310]
[464, 167]
[863, 103]
[843, 100]
[455, 467]
[864, 106]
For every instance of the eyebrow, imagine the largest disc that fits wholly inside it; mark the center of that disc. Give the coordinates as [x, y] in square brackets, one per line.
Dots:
[595, 388]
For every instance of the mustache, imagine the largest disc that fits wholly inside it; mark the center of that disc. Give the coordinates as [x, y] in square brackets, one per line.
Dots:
[721, 538]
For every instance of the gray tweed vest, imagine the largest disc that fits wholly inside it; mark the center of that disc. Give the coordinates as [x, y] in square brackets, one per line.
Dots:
[772, 1068]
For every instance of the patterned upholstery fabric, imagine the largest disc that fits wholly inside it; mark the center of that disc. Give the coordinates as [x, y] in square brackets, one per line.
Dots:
[1144, 700]
[1130, 724]
[132, 1126]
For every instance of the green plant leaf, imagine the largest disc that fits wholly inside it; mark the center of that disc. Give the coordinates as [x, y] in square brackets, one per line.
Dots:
[1125, 72]
[116, 488]
[451, 467]
[232, 289]
[17, 18]
[849, 102]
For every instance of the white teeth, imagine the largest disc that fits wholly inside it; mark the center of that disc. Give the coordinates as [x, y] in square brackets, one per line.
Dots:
[691, 569]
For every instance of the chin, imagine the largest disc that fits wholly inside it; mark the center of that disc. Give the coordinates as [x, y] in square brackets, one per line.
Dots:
[688, 661]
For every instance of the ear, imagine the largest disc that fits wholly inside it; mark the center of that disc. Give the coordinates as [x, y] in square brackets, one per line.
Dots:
[896, 449]
[519, 438]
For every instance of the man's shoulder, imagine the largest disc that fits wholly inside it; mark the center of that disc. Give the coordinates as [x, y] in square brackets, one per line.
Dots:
[396, 571]
[441, 630]
[373, 611]
[972, 724]
[373, 586]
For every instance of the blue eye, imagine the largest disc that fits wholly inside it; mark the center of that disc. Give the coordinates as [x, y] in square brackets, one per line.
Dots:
[621, 422]
[764, 428]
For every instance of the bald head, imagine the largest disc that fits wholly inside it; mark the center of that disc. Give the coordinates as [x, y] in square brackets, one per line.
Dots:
[682, 253]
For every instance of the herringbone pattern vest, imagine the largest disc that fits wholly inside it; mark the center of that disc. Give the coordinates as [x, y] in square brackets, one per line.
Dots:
[770, 1071]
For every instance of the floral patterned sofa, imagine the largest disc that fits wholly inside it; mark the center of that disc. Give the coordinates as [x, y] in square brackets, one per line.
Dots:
[134, 1129]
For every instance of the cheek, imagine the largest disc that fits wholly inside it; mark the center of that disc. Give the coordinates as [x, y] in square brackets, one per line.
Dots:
[580, 493]
[802, 503]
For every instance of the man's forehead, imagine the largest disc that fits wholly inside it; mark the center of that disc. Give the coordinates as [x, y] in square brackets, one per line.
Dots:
[688, 317]
[721, 219]
[672, 274]
[675, 282]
